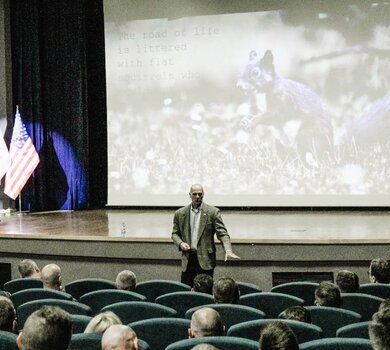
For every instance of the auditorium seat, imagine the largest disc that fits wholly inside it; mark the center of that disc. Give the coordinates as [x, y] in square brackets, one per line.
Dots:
[132, 311]
[182, 301]
[82, 286]
[160, 332]
[272, 304]
[152, 289]
[231, 314]
[337, 344]
[225, 343]
[381, 290]
[18, 284]
[80, 322]
[251, 329]
[303, 290]
[354, 330]
[248, 288]
[364, 304]
[98, 299]
[26, 295]
[8, 341]
[330, 319]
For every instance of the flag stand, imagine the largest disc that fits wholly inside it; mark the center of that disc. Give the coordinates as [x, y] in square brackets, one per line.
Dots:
[20, 206]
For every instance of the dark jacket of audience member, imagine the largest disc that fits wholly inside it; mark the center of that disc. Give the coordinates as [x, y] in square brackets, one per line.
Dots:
[276, 335]
[226, 291]
[347, 281]
[327, 294]
[379, 271]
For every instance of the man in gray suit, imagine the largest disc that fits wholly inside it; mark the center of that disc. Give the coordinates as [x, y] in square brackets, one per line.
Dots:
[194, 227]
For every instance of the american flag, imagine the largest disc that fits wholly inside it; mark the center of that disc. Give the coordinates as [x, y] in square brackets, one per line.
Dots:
[4, 157]
[24, 159]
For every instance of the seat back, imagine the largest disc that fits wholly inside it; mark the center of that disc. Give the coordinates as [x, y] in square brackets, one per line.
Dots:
[132, 311]
[182, 301]
[18, 284]
[355, 330]
[252, 329]
[8, 341]
[82, 286]
[337, 344]
[26, 295]
[80, 322]
[86, 341]
[272, 304]
[248, 288]
[381, 290]
[330, 319]
[154, 288]
[98, 299]
[225, 343]
[231, 314]
[303, 290]
[160, 332]
[364, 304]
[73, 307]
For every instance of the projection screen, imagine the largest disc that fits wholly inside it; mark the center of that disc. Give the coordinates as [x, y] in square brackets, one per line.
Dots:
[284, 107]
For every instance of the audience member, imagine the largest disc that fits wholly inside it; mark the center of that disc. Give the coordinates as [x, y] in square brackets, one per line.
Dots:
[204, 346]
[205, 322]
[347, 281]
[7, 315]
[119, 337]
[327, 294]
[29, 268]
[48, 328]
[379, 271]
[379, 330]
[226, 291]
[126, 280]
[277, 335]
[101, 322]
[51, 277]
[203, 283]
[297, 313]
[385, 304]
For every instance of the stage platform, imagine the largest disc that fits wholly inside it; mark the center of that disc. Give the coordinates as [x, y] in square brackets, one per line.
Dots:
[89, 243]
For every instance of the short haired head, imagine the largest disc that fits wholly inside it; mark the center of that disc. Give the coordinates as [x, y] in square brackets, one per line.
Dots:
[327, 294]
[204, 346]
[126, 280]
[297, 313]
[379, 271]
[119, 337]
[48, 328]
[29, 268]
[101, 322]
[379, 330]
[51, 277]
[385, 304]
[347, 281]
[7, 315]
[277, 335]
[226, 291]
[205, 322]
[203, 283]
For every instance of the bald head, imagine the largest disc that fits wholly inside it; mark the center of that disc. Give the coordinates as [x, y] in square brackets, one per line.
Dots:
[206, 322]
[51, 277]
[119, 337]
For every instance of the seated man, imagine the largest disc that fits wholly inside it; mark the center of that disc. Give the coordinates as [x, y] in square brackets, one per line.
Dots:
[101, 322]
[126, 280]
[276, 335]
[48, 328]
[203, 283]
[205, 322]
[226, 291]
[379, 271]
[379, 330]
[327, 294]
[7, 315]
[51, 277]
[119, 337]
[29, 268]
[297, 313]
[347, 281]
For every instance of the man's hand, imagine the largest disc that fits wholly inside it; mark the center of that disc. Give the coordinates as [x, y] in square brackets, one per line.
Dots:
[184, 246]
[230, 255]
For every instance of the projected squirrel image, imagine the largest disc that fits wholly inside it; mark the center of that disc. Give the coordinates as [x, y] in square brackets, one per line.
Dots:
[297, 113]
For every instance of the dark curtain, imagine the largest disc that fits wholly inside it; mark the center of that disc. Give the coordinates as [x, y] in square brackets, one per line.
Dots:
[59, 85]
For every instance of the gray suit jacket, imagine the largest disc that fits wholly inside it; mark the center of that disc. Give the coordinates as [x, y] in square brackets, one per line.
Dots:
[210, 224]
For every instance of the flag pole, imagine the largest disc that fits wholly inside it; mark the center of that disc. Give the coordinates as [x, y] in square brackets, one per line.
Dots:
[20, 203]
